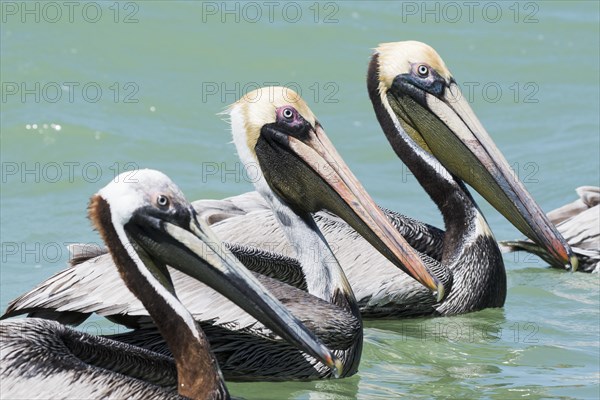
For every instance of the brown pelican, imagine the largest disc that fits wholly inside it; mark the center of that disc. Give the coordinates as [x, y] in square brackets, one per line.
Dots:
[145, 224]
[274, 130]
[579, 223]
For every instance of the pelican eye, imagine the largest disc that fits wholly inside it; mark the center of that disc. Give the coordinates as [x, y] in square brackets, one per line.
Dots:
[423, 70]
[289, 118]
[288, 113]
[162, 201]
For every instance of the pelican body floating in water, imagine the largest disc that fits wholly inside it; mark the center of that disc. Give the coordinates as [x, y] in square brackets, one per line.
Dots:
[145, 224]
[579, 223]
[301, 174]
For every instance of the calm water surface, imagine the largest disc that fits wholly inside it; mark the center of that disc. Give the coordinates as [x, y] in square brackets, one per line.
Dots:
[111, 86]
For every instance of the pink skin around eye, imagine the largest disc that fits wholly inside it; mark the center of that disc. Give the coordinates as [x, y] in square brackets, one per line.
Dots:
[293, 122]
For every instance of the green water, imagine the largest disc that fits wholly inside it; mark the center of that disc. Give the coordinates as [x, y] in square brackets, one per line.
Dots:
[99, 88]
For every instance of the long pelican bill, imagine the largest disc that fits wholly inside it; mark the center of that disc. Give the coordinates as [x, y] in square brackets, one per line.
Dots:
[318, 168]
[192, 248]
[431, 108]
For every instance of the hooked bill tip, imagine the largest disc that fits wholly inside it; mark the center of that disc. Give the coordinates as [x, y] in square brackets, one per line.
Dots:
[573, 264]
[338, 368]
[440, 293]
[335, 364]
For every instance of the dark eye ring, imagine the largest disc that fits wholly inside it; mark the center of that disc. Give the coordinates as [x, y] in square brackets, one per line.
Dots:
[287, 113]
[423, 70]
[162, 200]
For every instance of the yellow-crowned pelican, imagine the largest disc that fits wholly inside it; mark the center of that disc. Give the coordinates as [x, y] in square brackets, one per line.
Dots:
[145, 224]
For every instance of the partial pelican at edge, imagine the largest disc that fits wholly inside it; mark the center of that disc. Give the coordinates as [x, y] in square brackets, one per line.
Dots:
[579, 223]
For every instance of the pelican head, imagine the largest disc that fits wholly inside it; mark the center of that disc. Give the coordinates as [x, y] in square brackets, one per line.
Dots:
[275, 130]
[145, 218]
[423, 101]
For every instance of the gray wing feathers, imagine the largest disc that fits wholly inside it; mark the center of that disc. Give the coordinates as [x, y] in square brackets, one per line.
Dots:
[213, 211]
[589, 196]
[94, 286]
[372, 277]
[37, 353]
[423, 237]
